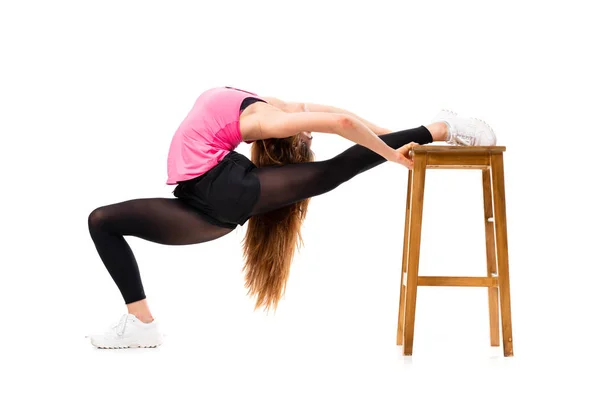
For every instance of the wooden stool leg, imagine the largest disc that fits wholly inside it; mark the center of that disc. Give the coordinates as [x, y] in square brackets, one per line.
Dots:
[416, 215]
[490, 245]
[502, 251]
[400, 333]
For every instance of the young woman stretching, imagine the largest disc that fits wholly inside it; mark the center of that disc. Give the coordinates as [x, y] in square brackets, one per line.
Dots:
[218, 189]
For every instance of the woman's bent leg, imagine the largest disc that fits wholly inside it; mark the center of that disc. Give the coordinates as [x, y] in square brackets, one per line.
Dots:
[160, 220]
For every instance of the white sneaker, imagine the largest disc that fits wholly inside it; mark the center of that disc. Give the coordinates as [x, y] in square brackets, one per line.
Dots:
[129, 332]
[466, 131]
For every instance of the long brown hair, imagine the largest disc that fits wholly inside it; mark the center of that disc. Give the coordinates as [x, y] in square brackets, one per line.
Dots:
[272, 238]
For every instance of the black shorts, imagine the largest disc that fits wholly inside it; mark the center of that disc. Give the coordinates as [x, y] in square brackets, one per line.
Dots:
[225, 194]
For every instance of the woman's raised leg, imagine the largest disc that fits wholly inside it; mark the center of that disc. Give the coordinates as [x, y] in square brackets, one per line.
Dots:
[288, 184]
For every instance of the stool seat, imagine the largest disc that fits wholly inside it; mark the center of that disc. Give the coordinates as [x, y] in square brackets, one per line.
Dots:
[458, 157]
[490, 160]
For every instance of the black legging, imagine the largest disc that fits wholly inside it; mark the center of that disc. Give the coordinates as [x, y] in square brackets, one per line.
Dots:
[172, 222]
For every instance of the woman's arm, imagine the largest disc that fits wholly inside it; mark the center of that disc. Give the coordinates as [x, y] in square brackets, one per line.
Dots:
[277, 124]
[331, 109]
[289, 106]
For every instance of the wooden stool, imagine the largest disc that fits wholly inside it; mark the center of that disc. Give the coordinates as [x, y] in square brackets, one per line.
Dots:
[488, 159]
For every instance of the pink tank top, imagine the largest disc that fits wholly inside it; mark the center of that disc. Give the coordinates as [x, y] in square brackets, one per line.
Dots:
[207, 134]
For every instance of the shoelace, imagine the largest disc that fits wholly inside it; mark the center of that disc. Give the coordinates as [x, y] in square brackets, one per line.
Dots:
[119, 327]
[464, 139]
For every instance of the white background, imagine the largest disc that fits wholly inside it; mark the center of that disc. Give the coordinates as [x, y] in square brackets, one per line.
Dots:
[91, 93]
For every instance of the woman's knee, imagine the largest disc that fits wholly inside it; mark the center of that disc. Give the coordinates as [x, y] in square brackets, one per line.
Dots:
[98, 219]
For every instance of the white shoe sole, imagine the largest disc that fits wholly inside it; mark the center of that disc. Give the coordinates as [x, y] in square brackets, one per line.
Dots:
[443, 113]
[150, 345]
[131, 346]
[446, 110]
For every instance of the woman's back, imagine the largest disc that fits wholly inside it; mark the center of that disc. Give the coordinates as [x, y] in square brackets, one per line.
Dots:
[207, 134]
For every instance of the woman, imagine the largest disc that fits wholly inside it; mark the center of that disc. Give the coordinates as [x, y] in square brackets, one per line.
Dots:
[219, 189]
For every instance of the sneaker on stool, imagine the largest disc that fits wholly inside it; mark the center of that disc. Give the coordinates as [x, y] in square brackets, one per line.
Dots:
[129, 332]
[466, 131]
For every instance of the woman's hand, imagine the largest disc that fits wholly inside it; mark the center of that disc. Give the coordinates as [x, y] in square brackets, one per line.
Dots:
[403, 155]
